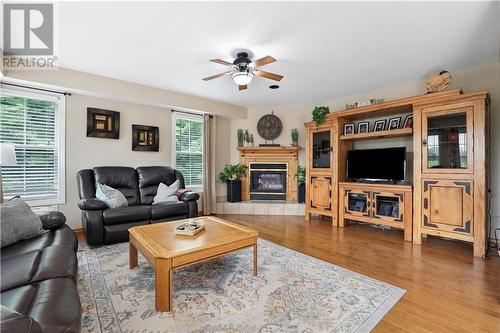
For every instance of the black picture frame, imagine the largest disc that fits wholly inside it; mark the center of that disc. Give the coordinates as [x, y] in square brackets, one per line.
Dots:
[379, 125]
[363, 127]
[408, 123]
[394, 123]
[145, 138]
[349, 129]
[103, 123]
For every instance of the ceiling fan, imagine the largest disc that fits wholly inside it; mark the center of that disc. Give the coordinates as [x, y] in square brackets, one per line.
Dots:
[244, 70]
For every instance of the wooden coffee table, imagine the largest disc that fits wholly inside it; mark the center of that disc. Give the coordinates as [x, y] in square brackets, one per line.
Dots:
[165, 250]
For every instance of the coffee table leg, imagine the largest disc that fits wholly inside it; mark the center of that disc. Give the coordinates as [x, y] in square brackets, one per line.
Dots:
[255, 260]
[163, 271]
[133, 256]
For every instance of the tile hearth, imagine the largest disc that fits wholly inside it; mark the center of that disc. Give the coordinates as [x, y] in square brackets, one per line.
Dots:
[260, 208]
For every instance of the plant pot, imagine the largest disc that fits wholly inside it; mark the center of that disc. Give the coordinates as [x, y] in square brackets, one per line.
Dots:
[240, 144]
[302, 193]
[295, 144]
[234, 190]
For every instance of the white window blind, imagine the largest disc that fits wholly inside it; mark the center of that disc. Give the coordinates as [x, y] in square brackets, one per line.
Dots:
[34, 123]
[188, 147]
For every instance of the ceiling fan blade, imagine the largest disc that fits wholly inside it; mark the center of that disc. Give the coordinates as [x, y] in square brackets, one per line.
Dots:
[242, 87]
[222, 62]
[267, 75]
[264, 61]
[216, 76]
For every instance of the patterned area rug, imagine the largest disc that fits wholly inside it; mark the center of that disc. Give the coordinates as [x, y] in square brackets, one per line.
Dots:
[293, 292]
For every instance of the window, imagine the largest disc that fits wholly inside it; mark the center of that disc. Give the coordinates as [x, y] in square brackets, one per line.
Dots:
[433, 151]
[188, 147]
[34, 124]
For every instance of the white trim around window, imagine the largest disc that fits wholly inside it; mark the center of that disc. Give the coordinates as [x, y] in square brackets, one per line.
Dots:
[188, 116]
[59, 195]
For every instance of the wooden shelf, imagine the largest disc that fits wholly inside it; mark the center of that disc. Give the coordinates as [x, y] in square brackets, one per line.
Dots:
[378, 135]
[269, 150]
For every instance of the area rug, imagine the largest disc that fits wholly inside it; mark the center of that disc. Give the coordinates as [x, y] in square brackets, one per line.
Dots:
[293, 292]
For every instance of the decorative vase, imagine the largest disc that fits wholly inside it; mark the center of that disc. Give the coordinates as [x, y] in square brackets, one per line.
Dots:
[246, 139]
[234, 190]
[302, 193]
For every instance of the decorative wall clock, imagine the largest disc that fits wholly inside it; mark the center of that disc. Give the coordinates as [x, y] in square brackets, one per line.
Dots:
[269, 126]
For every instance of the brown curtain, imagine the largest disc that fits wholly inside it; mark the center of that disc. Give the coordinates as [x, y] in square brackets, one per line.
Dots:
[209, 196]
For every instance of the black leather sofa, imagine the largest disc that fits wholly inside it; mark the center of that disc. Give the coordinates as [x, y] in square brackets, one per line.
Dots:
[38, 281]
[103, 225]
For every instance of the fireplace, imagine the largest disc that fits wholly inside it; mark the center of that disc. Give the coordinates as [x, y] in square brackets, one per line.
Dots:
[268, 181]
[279, 164]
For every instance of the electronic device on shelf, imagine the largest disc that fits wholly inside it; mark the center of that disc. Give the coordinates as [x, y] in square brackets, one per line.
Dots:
[377, 165]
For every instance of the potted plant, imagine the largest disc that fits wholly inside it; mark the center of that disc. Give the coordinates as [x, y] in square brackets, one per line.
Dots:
[295, 137]
[301, 183]
[240, 137]
[319, 114]
[231, 176]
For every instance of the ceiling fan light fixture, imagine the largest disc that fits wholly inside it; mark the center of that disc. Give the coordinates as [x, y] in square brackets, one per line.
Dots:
[242, 78]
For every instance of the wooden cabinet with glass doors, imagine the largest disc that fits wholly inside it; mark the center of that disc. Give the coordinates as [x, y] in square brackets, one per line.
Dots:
[450, 170]
[320, 171]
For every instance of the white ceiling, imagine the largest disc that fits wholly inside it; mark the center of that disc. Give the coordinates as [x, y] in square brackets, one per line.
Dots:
[325, 49]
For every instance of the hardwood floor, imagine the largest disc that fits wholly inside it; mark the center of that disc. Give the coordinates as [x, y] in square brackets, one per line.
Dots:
[448, 290]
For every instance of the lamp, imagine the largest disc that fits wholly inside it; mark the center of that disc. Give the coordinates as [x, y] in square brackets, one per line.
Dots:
[7, 158]
[242, 77]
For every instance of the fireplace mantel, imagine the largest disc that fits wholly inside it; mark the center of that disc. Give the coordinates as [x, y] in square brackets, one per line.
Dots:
[266, 151]
[288, 155]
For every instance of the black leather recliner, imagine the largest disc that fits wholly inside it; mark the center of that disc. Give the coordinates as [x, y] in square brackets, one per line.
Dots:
[38, 281]
[103, 225]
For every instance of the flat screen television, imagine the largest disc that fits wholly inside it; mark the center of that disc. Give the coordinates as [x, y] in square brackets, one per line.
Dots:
[386, 164]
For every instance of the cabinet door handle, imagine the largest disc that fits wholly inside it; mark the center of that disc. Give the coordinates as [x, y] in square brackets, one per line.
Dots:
[424, 142]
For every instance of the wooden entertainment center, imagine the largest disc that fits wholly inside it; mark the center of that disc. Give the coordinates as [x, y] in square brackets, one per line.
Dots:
[446, 195]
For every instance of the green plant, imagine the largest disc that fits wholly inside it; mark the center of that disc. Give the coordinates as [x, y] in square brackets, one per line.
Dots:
[232, 172]
[319, 114]
[295, 134]
[240, 137]
[301, 175]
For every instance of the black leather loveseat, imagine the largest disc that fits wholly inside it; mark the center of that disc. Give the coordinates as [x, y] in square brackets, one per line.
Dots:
[38, 281]
[110, 225]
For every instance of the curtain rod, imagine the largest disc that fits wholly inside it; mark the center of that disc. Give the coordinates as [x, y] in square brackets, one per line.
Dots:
[40, 89]
[193, 113]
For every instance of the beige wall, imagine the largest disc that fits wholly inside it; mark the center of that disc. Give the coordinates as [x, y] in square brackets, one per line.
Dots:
[105, 87]
[485, 77]
[84, 152]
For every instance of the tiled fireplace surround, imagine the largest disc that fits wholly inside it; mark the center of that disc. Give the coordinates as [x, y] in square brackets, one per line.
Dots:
[272, 155]
[260, 208]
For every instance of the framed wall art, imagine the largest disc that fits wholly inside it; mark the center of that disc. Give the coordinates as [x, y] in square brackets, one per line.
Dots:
[145, 138]
[408, 121]
[103, 123]
[379, 125]
[363, 126]
[394, 123]
[348, 129]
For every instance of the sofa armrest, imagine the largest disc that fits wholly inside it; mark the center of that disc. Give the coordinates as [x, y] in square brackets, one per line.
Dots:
[92, 204]
[188, 196]
[52, 220]
[93, 226]
[13, 321]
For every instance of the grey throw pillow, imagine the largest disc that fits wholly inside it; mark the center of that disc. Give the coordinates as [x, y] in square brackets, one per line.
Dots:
[18, 222]
[113, 198]
[166, 193]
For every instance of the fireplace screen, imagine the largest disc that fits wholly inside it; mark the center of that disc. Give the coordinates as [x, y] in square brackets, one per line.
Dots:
[268, 181]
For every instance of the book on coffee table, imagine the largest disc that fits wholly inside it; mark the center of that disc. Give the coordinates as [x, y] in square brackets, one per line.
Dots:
[189, 228]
